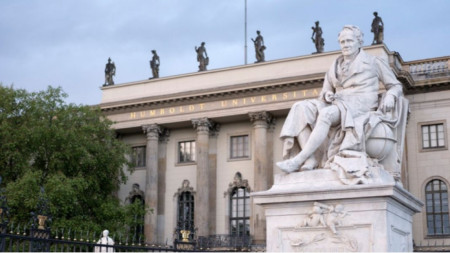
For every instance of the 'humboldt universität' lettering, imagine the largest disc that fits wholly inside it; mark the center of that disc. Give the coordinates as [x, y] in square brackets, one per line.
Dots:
[261, 99]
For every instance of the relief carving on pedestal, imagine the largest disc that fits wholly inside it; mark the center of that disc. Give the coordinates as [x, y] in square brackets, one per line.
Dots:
[326, 216]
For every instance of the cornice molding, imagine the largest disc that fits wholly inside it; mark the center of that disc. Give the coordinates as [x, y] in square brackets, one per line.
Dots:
[223, 92]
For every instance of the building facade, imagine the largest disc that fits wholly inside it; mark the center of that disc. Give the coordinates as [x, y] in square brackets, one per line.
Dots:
[204, 141]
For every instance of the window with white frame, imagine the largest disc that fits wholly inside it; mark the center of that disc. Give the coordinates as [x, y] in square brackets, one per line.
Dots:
[186, 151]
[239, 147]
[433, 136]
[436, 197]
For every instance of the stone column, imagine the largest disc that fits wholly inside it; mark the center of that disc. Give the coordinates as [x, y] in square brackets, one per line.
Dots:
[201, 216]
[151, 182]
[162, 166]
[262, 169]
[214, 131]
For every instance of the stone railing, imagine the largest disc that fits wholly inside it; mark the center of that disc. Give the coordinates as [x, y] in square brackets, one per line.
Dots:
[429, 67]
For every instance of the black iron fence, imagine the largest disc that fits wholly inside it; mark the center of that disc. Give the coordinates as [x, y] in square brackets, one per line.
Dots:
[35, 240]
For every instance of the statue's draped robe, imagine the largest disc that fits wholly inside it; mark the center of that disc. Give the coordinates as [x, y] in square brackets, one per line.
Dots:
[357, 97]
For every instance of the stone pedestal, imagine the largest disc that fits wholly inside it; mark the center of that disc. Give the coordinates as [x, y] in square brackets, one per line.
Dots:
[314, 211]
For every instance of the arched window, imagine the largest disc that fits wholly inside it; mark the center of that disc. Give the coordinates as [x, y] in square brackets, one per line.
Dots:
[185, 212]
[240, 212]
[436, 195]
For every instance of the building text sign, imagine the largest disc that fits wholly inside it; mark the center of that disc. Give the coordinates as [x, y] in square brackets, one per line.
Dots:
[223, 104]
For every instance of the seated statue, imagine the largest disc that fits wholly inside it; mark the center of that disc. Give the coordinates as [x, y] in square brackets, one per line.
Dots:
[351, 125]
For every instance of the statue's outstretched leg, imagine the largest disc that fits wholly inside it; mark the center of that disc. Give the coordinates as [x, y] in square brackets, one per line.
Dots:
[327, 116]
[303, 138]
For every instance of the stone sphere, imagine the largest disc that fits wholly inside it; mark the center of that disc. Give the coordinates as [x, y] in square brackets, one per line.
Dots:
[381, 142]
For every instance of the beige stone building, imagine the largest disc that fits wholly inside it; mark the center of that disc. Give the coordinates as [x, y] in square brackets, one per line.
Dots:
[203, 141]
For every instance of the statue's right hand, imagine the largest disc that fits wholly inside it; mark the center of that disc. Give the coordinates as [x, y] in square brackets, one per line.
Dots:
[329, 96]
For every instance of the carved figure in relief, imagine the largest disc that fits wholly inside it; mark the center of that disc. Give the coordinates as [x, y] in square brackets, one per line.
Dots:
[325, 215]
[346, 115]
[377, 29]
[316, 216]
[259, 47]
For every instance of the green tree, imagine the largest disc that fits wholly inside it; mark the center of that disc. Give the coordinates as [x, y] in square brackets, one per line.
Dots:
[68, 149]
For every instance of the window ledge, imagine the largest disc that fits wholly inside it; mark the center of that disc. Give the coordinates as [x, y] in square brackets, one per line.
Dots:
[185, 164]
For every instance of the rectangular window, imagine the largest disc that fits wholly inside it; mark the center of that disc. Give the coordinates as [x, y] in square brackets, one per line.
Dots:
[138, 156]
[433, 136]
[239, 147]
[186, 151]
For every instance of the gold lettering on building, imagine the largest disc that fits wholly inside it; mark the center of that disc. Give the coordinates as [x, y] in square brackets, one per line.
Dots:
[214, 105]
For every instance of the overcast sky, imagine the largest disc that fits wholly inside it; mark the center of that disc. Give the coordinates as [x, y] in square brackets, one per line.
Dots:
[67, 43]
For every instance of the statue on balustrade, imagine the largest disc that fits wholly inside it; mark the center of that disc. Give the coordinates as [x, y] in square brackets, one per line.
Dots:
[351, 126]
[317, 39]
[259, 47]
[202, 57]
[377, 29]
[110, 71]
[154, 64]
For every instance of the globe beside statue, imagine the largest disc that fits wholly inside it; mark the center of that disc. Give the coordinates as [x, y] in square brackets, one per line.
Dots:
[380, 142]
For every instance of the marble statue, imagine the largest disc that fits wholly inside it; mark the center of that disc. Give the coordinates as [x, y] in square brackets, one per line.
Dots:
[350, 127]
[259, 47]
[110, 71]
[154, 64]
[377, 29]
[105, 240]
[202, 57]
[317, 38]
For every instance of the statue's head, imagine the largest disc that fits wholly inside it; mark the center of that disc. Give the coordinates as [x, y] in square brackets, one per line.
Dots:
[203, 43]
[375, 13]
[109, 59]
[317, 22]
[154, 51]
[258, 32]
[350, 39]
[105, 233]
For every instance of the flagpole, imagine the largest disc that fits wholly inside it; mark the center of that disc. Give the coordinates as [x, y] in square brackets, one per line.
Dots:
[245, 39]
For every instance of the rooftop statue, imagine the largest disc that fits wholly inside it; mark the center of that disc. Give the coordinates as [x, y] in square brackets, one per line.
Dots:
[202, 57]
[154, 64]
[318, 41]
[259, 47]
[377, 29]
[349, 128]
[110, 71]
